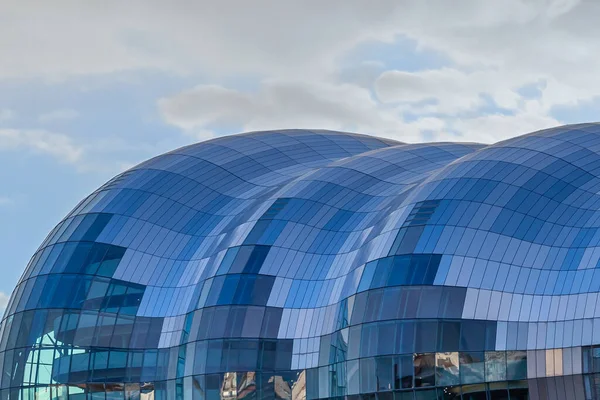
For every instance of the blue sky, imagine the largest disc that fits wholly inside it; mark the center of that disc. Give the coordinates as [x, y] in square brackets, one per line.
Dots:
[86, 91]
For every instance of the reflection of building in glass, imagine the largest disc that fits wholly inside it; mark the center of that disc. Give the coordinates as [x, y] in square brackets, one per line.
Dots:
[229, 386]
[315, 264]
[299, 387]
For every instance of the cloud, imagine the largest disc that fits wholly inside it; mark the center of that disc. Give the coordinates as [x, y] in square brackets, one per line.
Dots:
[5, 200]
[453, 91]
[295, 52]
[492, 128]
[282, 104]
[104, 155]
[493, 50]
[286, 103]
[58, 115]
[57, 145]
[4, 298]
[215, 38]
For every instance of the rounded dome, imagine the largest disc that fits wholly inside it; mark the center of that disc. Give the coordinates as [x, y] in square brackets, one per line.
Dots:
[319, 264]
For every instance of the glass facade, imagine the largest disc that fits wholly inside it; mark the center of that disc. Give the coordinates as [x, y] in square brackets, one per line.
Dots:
[304, 264]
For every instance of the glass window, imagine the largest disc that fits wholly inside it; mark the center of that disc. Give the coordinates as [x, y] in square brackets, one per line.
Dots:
[85, 329]
[427, 394]
[373, 305]
[268, 355]
[401, 271]
[247, 355]
[386, 337]
[586, 355]
[453, 299]
[447, 369]
[595, 353]
[405, 337]
[218, 322]
[418, 265]
[382, 271]
[369, 337]
[228, 260]
[516, 365]
[472, 336]
[424, 369]
[214, 355]
[404, 395]
[430, 302]
[284, 354]
[367, 276]
[495, 366]
[37, 327]
[261, 290]
[385, 373]
[121, 334]
[358, 311]
[213, 383]
[391, 299]
[490, 335]
[228, 289]
[353, 379]
[354, 341]
[426, 336]
[409, 301]
[253, 322]
[368, 376]
[403, 372]
[448, 336]
[270, 323]
[235, 321]
[472, 367]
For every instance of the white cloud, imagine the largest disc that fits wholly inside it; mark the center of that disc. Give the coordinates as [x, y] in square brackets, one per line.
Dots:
[58, 115]
[494, 49]
[4, 298]
[454, 91]
[70, 37]
[5, 200]
[297, 50]
[493, 128]
[285, 103]
[57, 145]
[105, 155]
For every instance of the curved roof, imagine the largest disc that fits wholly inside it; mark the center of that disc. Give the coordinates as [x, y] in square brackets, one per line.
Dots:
[302, 221]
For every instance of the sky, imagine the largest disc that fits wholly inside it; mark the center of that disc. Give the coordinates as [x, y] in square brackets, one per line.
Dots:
[89, 89]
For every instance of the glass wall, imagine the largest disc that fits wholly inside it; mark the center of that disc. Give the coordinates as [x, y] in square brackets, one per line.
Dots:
[303, 264]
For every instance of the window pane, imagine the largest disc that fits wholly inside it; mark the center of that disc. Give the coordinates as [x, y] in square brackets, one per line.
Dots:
[447, 369]
[471, 367]
[516, 365]
[424, 366]
[495, 366]
[384, 369]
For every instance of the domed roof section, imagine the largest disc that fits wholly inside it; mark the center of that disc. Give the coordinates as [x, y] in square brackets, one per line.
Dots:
[298, 242]
[202, 192]
[326, 203]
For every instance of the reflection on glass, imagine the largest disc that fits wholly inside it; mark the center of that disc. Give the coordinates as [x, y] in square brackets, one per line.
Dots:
[299, 387]
[424, 366]
[516, 365]
[495, 366]
[471, 367]
[447, 369]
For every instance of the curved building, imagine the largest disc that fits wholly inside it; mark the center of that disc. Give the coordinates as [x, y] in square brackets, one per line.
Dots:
[304, 264]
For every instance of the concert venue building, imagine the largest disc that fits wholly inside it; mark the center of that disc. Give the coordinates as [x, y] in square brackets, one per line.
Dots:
[302, 264]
